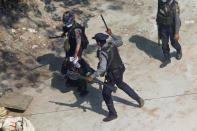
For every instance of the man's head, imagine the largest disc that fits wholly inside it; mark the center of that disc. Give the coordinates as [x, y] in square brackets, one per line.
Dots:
[100, 38]
[68, 19]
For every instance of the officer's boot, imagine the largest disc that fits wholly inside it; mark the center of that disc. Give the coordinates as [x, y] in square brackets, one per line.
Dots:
[179, 55]
[140, 101]
[110, 117]
[165, 63]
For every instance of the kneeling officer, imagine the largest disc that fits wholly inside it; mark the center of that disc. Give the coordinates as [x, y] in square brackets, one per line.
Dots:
[111, 63]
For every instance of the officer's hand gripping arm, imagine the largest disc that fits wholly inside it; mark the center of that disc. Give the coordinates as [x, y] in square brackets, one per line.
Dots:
[102, 66]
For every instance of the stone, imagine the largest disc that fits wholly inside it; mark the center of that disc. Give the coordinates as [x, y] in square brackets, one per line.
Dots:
[16, 101]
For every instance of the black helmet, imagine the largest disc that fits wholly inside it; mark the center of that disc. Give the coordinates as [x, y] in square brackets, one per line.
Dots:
[68, 17]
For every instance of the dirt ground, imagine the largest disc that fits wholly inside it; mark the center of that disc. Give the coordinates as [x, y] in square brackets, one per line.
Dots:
[170, 94]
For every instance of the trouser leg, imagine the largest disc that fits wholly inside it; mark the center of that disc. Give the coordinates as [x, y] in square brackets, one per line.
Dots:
[118, 75]
[107, 96]
[165, 34]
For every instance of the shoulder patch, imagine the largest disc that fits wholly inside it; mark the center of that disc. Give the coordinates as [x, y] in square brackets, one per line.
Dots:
[78, 32]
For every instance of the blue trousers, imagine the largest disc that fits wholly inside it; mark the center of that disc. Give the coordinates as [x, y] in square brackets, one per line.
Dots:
[116, 77]
[166, 33]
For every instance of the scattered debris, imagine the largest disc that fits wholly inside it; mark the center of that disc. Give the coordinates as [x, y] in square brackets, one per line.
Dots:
[44, 43]
[34, 46]
[13, 30]
[3, 112]
[1, 36]
[32, 30]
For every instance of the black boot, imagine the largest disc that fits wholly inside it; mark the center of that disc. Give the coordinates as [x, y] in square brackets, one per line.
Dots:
[140, 101]
[110, 117]
[179, 55]
[165, 63]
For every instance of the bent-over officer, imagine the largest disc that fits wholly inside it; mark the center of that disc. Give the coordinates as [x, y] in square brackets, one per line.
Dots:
[110, 62]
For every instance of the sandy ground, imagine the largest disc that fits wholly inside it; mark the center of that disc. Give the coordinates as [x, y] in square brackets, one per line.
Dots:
[170, 94]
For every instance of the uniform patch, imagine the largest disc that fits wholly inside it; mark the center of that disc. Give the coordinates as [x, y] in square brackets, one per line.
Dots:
[78, 34]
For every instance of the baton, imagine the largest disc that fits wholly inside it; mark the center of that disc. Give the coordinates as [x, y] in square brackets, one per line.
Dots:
[54, 37]
[104, 21]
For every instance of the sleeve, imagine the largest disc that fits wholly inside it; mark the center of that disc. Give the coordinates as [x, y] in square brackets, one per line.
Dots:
[78, 32]
[102, 66]
[177, 20]
[116, 40]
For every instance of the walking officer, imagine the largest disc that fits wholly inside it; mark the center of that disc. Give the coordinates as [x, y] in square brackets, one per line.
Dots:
[111, 64]
[169, 24]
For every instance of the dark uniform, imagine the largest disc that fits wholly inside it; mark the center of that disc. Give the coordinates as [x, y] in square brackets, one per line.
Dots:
[75, 36]
[169, 24]
[110, 62]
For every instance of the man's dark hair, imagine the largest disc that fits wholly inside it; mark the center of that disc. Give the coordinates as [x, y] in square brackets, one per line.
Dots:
[102, 42]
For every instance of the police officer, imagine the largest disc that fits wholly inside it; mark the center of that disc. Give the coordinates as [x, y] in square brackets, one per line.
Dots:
[169, 24]
[74, 45]
[111, 63]
[73, 31]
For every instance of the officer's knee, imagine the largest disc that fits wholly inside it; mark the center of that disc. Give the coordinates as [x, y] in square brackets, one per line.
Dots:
[120, 84]
[165, 47]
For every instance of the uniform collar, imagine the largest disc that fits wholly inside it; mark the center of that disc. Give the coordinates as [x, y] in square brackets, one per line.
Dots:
[105, 46]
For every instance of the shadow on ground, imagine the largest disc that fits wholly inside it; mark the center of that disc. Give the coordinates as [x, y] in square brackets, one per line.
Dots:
[16, 71]
[151, 48]
[53, 61]
[94, 98]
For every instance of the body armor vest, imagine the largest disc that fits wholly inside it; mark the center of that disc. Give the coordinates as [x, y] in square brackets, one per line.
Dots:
[165, 13]
[114, 60]
[72, 39]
